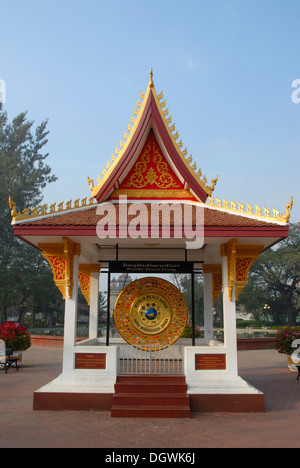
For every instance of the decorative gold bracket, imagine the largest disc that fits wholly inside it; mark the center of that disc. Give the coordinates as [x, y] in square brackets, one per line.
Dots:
[217, 279]
[70, 249]
[61, 260]
[229, 250]
[54, 254]
[84, 277]
[240, 258]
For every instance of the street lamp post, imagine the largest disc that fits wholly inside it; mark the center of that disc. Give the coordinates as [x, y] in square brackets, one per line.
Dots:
[267, 309]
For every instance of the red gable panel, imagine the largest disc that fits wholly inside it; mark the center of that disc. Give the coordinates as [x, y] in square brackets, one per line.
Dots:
[151, 175]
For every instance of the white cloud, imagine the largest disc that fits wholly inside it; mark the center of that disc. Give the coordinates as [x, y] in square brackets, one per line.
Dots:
[191, 64]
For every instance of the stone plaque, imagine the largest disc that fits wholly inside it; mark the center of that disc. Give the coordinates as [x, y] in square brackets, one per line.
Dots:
[90, 361]
[210, 361]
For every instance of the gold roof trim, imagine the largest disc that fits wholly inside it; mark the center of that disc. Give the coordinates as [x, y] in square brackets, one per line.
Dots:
[134, 121]
[128, 135]
[248, 210]
[183, 153]
[217, 203]
[54, 208]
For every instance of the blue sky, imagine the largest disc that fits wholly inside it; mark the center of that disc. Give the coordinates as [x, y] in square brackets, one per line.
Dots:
[226, 68]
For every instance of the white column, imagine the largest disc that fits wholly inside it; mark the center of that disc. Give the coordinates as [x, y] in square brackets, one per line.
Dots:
[71, 321]
[94, 305]
[208, 307]
[229, 312]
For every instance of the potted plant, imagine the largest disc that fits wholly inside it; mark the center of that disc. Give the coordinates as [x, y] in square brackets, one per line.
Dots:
[284, 341]
[16, 337]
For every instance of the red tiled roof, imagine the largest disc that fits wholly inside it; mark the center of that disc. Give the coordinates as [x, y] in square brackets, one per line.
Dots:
[88, 217]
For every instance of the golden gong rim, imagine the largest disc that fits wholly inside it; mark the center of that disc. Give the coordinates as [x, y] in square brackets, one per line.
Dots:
[150, 312]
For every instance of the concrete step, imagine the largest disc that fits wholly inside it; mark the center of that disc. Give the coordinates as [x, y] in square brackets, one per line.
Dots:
[151, 399]
[150, 412]
[151, 384]
[152, 377]
[151, 396]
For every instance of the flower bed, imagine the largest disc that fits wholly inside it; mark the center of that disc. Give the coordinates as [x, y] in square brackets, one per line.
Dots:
[188, 331]
[284, 340]
[15, 336]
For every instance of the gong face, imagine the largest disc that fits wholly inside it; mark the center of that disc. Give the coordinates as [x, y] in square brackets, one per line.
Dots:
[150, 311]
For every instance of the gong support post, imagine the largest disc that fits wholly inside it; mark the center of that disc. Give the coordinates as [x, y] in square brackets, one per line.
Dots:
[193, 308]
[108, 309]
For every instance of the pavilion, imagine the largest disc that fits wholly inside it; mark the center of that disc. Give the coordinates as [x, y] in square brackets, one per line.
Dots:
[151, 210]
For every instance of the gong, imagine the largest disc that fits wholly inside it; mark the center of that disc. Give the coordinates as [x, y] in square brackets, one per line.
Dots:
[150, 312]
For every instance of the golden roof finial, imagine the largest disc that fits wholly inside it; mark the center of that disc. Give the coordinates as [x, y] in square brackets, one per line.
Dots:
[151, 78]
[288, 209]
[91, 183]
[214, 183]
[13, 208]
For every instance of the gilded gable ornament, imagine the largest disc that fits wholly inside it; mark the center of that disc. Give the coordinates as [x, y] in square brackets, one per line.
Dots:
[151, 169]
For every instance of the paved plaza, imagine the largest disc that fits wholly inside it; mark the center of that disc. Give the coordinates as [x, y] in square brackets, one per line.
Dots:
[265, 369]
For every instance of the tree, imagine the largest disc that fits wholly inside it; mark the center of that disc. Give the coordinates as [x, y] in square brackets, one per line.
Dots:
[274, 281]
[23, 175]
[185, 286]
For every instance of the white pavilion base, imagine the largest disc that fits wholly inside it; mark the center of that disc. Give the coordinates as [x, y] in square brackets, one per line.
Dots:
[227, 394]
[218, 390]
[77, 391]
[80, 382]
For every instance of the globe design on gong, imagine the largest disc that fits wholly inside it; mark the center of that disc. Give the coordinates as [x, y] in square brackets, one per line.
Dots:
[151, 313]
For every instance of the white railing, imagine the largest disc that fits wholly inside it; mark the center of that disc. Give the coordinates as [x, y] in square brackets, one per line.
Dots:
[150, 360]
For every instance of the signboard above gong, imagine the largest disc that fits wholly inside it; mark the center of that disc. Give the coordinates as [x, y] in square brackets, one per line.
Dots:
[150, 312]
[150, 267]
